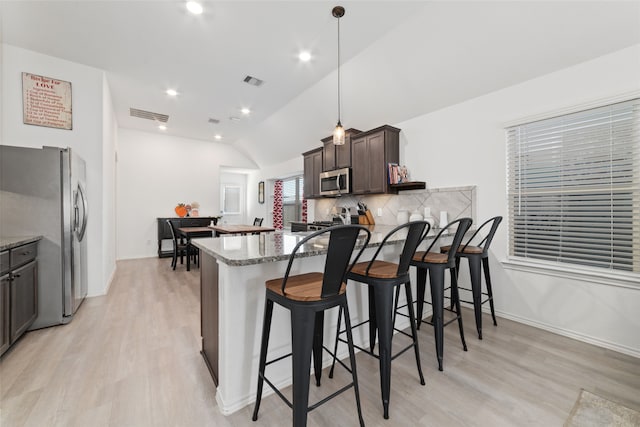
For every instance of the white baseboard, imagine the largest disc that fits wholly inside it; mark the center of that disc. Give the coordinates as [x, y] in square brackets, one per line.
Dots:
[634, 352]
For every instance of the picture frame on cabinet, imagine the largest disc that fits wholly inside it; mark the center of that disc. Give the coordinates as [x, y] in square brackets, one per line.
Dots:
[261, 192]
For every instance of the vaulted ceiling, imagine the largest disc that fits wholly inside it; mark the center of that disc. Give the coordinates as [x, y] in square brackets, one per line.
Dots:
[400, 59]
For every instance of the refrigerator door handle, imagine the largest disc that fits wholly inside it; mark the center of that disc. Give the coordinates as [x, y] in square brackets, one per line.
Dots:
[83, 227]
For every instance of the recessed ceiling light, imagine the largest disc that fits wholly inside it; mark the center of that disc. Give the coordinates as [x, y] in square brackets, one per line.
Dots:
[194, 7]
[304, 56]
[162, 127]
[234, 119]
[172, 92]
[245, 111]
[218, 137]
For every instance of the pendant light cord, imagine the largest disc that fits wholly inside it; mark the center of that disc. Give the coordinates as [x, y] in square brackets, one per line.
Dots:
[338, 69]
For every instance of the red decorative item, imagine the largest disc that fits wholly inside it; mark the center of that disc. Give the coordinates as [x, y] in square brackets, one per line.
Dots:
[277, 205]
[304, 210]
[181, 210]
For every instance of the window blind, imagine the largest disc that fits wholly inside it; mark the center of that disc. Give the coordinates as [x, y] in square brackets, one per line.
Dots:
[292, 190]
[574, 188]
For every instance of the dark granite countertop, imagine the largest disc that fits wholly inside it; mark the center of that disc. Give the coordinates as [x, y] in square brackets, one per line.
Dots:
[277, 246]
[7, 243]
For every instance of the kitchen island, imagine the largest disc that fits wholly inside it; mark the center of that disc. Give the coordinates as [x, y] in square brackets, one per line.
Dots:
[233, 273]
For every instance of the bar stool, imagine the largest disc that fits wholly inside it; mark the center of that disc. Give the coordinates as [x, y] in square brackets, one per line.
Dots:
[306, 296]
[478, 257]
[383, 278]
[436, 263]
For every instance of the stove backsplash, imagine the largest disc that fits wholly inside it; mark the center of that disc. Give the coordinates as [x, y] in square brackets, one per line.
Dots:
[458, 202]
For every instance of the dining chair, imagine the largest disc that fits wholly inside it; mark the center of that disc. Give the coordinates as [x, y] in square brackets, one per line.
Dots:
[478, 256]
[180, 248]
[435, 264]
[257, 221]
[382, 279]
[307, 296]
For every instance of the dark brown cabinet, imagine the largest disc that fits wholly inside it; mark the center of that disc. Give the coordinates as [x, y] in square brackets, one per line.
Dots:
[312, 170]
[164, 232]
[18, 293]
[372, 151]
[24, 301]
[5, 286]
[337, 156]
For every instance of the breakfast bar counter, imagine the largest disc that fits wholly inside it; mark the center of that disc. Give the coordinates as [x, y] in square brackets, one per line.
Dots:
[233, 271]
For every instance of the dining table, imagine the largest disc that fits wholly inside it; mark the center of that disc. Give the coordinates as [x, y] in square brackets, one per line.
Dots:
[215, 231]
[239, 229]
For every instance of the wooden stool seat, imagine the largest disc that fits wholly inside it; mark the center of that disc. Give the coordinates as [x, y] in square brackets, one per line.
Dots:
[431, 258]
[302, 287]
[378, 269]
[463, 249]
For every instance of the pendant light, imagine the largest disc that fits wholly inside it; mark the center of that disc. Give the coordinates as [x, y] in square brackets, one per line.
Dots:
[338, 132]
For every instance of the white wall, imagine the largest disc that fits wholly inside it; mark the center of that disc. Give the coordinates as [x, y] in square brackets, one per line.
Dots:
[236, 179]
[269, 174]
[109, 153]
[465, 144]
[155, 172]
[86, 138]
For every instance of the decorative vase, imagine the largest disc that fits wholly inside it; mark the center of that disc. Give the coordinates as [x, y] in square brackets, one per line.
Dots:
[403, 216]
[443, 219]
[427, 217]
[415, 216]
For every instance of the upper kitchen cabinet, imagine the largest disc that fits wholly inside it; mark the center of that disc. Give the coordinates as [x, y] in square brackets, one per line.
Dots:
[312, 170]
[371, 153]
[337, 156]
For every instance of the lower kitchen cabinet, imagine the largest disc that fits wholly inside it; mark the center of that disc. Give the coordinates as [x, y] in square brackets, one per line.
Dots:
[5, 286]
[18, 293]
[24, 301]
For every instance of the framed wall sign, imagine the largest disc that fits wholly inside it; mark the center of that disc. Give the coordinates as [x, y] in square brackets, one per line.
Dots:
[46, 102]
[261, 192]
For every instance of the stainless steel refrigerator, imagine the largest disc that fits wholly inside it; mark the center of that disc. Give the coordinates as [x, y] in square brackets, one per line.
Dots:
[43, 192]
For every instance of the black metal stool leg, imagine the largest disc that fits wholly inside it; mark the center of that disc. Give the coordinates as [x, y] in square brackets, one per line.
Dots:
[318, 332]
[372, 319]
[352, 360]
[457, 270]
[414, 332]
[455, 295]
[421, 284]
[335, 346]
[266, 329]
[475, 265]
[302, 327]
[436, 279]
[384, 306]
[487, 278]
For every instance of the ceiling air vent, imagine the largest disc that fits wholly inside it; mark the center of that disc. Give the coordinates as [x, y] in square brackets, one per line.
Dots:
[142, 114]
[253, 81]
[214, 121]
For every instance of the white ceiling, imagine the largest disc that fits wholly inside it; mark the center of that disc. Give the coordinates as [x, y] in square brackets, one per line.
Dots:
[400, 59]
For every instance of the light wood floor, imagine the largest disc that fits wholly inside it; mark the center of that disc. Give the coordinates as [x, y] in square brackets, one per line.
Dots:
[131, 358]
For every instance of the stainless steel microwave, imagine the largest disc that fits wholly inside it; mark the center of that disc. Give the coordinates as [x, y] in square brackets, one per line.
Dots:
[335, 182]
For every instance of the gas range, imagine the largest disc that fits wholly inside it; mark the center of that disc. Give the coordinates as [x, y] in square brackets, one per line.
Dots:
[319, 225]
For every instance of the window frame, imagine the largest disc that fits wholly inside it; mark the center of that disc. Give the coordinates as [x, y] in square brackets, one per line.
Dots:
[580, 272]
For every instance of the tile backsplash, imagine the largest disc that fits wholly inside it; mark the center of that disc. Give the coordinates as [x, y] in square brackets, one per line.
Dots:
[456, 201]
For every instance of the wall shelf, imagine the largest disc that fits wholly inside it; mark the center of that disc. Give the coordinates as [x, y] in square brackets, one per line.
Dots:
[412, 185]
